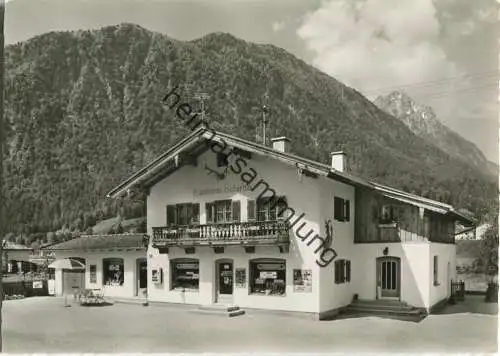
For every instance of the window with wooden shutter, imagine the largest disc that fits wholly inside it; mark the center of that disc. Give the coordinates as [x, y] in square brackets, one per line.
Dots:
[209, 211]
[183, 212]
[347, 211]
[251, 210]
[223, 211]
[171, 215]
[236, 210]
[338, 272]
[195, 213]
[280, 209]
[268, 209]
[436, 280]
[342, 271]
[338, 209]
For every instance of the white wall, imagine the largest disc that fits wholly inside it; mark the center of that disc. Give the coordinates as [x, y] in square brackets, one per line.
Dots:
[128, 289]
[446, 253]
[415, 281]
[302, 195]
[333, 295]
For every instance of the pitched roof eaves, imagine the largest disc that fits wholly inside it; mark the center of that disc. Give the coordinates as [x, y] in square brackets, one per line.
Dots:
[403, 194]
[300, 162]
[155, 164]
[316, 167]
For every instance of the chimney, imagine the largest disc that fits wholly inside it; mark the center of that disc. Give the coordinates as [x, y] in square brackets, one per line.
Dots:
[281, 144]
[339, 161]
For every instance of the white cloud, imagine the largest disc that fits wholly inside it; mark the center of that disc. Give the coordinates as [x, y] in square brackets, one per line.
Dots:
[278, 26]
[377, 43]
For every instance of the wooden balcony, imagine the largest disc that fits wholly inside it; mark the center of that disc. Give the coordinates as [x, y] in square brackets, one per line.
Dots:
[223, 234]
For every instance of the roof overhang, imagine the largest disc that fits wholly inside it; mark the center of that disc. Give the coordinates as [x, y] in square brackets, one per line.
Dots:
[172, 160]
[156, 166]
[461, 218]
[424, 203]
[412, 199]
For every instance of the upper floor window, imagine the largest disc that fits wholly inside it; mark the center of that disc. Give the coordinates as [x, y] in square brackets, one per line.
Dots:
[270, 209]
[389, 214]
[183, 214]
[223, 211]
[341, 209]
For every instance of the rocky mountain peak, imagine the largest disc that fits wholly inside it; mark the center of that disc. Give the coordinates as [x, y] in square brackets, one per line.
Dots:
[400, 104]
[422, 121]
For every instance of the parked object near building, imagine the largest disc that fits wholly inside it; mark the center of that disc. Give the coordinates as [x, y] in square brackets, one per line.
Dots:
[217, 239]
[492, 293]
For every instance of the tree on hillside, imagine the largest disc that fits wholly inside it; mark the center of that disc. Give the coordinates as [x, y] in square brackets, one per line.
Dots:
[489, 249]
[10, 237]
[51, 237]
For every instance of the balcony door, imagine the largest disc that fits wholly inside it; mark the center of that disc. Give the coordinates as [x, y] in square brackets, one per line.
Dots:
[388, 278]
[224, 281]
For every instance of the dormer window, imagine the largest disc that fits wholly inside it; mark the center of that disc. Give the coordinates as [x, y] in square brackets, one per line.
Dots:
[222, 160]
[388, 214]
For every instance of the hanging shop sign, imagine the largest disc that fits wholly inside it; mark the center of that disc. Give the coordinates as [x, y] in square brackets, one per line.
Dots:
[302, 280]
[271, 266]
[187, 266]
[37, 284]
[241, 278]
[156, 275]
[268, 275]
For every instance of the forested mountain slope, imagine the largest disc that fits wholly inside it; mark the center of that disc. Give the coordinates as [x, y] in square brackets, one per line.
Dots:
[84, 111]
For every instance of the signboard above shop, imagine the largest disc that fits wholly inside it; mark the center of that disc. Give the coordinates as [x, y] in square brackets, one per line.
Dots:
[271, 266]
[187, 266]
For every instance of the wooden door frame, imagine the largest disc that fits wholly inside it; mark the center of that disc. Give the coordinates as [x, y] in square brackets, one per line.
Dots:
[138, 274]
[217, 264]
[448, 279]
[378, 277]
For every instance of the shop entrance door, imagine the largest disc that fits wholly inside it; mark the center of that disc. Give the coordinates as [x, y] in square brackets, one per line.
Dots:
[142, 277]
[224, 279]
[389, 277]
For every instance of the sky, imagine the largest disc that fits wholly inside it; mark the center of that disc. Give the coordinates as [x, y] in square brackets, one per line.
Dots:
[443, 53]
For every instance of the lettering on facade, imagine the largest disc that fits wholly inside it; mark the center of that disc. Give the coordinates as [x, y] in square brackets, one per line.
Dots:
[187, 265]
[228, 188]
[271, 266]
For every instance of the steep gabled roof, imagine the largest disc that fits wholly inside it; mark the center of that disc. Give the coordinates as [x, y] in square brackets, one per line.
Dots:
[172, 160]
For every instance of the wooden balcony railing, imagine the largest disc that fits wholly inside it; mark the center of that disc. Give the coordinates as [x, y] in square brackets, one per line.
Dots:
[257, 233]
